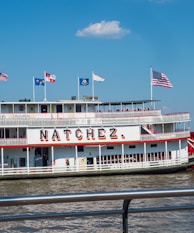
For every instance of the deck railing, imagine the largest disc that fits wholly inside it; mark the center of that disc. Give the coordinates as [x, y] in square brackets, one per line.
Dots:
[72, 170]
[90, 119]
[124, 211]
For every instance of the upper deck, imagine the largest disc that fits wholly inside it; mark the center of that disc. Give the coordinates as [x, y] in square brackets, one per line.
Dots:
[73, 106]
[84, 113]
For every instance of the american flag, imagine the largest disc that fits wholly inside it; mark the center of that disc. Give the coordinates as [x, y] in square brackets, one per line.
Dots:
[3, 77]
[160, 79]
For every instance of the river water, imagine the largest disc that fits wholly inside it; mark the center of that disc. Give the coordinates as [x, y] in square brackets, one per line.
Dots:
[168, 222]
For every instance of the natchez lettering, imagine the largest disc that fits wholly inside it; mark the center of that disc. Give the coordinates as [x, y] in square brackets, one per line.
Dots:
[79, 134]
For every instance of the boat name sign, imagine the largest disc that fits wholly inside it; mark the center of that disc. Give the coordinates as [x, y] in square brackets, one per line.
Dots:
[83, 135]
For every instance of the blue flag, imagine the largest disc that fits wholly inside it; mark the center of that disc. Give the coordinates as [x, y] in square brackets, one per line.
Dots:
[39, 81]
[84, 81]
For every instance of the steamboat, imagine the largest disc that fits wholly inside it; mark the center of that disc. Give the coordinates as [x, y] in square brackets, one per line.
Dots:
[90, 137]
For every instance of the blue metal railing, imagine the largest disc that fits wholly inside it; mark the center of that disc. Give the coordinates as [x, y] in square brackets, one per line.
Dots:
[126, 196]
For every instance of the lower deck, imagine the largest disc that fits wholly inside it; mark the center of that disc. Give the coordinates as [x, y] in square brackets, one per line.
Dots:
[98, 158]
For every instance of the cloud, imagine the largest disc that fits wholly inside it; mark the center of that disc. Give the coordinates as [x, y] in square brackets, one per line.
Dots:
[109, 29]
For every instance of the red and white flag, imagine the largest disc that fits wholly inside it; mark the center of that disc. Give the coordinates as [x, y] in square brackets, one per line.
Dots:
[50, 77]
[3, 77]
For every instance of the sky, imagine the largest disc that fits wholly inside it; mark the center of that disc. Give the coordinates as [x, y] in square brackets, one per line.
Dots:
[117, 39]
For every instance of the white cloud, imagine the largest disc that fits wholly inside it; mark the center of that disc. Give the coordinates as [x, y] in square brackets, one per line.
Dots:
[109, 29]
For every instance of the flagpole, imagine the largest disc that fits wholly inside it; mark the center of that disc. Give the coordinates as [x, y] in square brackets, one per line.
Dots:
[78, 87]
[151, 78]
[45, 86]
[33, 89]
[92, 87]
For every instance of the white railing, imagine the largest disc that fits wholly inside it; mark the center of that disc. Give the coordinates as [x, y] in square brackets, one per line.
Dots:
[12, 141]
[89, 169]
[81, 115]
[125, 211]
[165, 136]
[91, 119]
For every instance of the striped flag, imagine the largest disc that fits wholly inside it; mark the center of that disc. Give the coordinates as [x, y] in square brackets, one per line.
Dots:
[3, 77]
[50, 77]
[160, 79]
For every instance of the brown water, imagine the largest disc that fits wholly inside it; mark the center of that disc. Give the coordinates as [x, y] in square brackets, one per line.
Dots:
[178, 221]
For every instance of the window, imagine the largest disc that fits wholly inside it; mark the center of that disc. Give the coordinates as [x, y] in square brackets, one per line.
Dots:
[22, 162]
[80, 148]
[110, 147]
[59, 108]
[43, 108]
[153, 145]
[132, 146]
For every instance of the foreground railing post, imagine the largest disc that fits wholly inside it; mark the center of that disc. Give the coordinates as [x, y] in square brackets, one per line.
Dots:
[125, 215]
